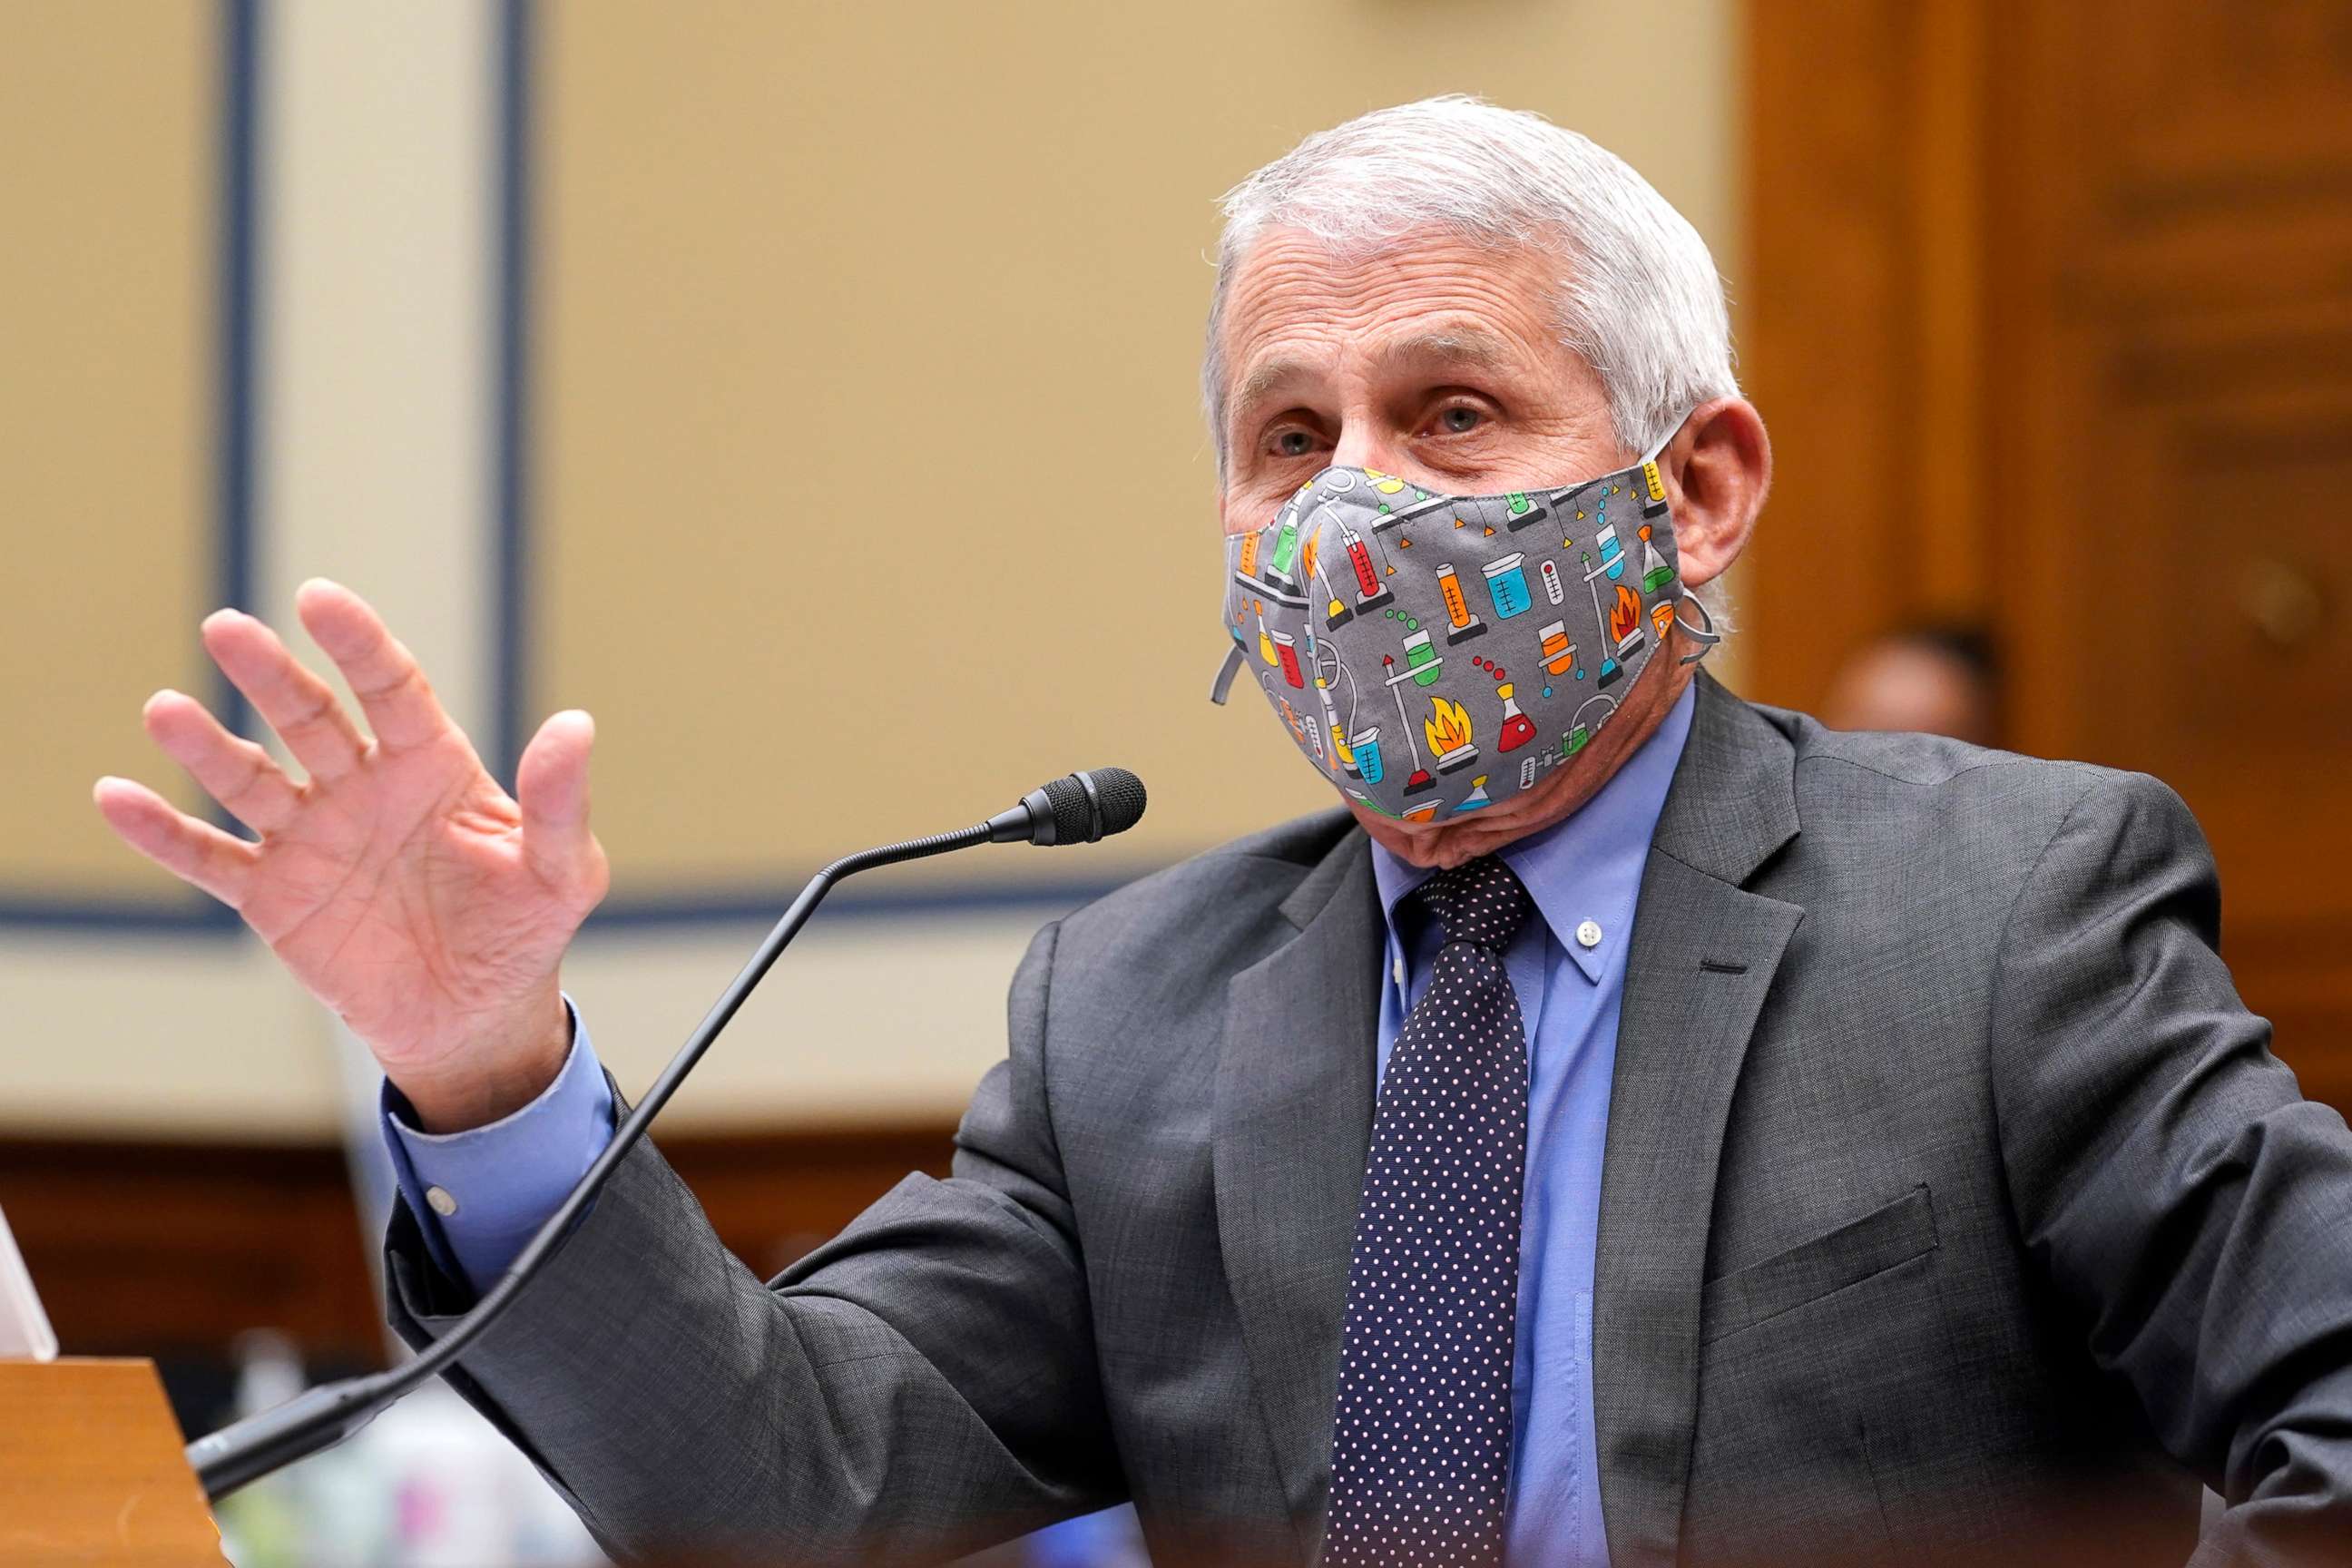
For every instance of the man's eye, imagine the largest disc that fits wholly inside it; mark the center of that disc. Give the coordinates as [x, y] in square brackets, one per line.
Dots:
[1292, 443]
[1460, 419]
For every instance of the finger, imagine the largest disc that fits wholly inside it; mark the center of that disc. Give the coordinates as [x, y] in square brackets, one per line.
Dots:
[196, 852]
[234, 771]
[299, 706]
[392, 691]
[551, 787]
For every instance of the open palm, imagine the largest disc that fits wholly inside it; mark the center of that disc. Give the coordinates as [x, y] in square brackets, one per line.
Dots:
[399, 884]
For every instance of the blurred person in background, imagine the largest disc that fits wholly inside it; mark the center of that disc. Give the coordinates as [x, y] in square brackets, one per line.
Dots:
[1637, 1126]
[1933, 679]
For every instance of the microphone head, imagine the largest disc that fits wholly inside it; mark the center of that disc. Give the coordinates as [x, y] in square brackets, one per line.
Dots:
[1081, 808]
[1120, 794]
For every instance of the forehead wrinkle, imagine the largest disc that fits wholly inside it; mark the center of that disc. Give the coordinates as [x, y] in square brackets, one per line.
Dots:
[1445, 346]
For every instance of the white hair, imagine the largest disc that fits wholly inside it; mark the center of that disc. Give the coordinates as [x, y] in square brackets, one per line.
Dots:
[1639, 299]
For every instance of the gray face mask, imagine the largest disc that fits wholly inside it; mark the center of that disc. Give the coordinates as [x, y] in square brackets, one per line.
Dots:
[1431, 655]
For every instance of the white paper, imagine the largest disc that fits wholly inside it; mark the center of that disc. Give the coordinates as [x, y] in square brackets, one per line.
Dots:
[24, 1331]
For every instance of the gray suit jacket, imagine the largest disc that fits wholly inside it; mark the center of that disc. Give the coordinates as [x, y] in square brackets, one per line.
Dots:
[1953, 1206]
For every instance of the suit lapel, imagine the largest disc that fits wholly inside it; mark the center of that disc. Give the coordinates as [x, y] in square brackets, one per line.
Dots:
[1704, 955]
[1293, 1123]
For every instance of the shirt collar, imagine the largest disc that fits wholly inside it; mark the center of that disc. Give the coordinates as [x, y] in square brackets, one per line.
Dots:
[1587, 867]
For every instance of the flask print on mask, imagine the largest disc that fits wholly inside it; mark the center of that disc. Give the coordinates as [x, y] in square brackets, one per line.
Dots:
[1366, 629]
[1517, 727]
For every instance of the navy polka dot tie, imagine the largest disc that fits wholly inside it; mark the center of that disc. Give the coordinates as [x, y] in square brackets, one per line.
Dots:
[1422, 1447]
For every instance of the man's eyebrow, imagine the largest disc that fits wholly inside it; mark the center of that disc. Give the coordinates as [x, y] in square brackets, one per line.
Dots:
[1448, 346]
[1262, 378]
[1458, 345]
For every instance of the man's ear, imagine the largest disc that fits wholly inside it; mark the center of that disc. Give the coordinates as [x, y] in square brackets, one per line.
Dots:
[1717, 468]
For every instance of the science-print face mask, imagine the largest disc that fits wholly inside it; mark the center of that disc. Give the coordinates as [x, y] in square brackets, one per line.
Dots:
[1431, 655]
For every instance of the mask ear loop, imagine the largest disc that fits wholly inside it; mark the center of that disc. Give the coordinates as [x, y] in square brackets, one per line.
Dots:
[1225, 673]
[1705, 633]
[1706, 636]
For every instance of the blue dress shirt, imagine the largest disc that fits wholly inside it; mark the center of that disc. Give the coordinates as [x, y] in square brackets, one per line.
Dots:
[478, 1195]
[1569, 971]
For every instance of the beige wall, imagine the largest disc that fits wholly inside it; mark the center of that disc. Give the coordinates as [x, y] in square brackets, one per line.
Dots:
[107, 323]
[868, 413]
[796, 265]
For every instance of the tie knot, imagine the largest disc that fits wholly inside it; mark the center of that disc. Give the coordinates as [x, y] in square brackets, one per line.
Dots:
[1481, 902]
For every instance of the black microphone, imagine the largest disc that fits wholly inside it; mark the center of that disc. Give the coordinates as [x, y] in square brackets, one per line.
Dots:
[1081, 808]
[1078, 809]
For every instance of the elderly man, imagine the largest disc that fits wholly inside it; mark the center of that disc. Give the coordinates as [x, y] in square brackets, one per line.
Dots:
[1639, 1126]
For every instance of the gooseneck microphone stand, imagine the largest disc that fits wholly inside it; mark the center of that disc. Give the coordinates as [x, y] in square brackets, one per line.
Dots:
[1078, 808]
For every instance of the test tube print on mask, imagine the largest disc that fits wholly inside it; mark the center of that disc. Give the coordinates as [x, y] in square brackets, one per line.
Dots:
[1413, 618]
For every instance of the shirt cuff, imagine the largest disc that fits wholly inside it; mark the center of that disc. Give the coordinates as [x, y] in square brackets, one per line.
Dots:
[481, 1194]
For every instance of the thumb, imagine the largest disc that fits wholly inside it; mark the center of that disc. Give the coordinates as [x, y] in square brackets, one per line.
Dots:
[551, 787]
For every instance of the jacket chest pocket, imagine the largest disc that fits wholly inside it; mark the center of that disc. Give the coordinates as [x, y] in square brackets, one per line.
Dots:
[1893, 1234]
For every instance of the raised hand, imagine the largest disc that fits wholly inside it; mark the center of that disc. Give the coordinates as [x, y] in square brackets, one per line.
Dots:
[400, 884]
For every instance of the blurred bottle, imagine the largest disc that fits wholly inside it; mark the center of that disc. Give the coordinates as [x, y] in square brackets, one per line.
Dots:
[428, 1484]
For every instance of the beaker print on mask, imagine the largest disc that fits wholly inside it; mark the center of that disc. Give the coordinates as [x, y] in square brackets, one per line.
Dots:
[1334, 580]
[1506, 583]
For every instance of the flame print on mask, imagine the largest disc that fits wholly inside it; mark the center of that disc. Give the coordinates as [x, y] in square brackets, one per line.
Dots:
[1431, 655]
